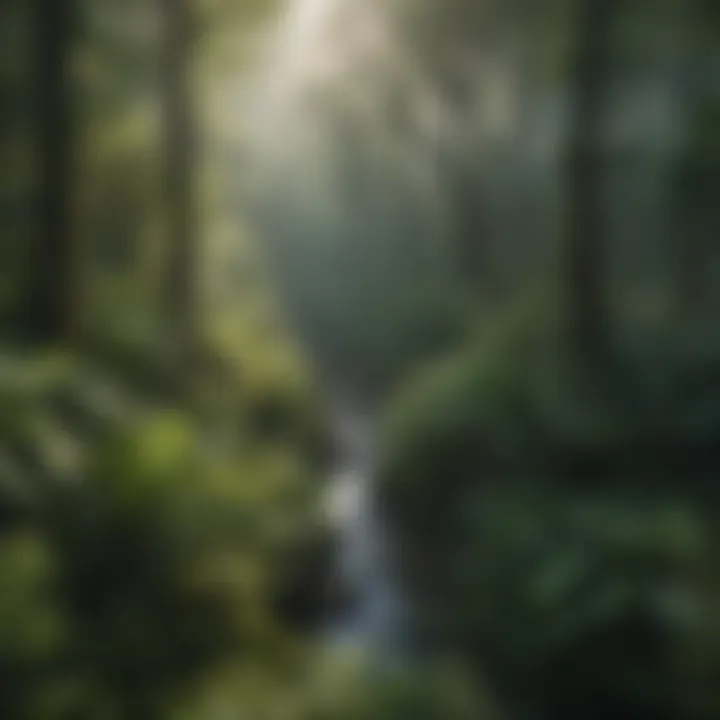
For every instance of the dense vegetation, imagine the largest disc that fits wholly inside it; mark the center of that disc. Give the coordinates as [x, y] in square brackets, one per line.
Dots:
[495, 222]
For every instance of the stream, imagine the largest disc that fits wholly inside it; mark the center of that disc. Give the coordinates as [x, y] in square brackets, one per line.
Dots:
[376, 619]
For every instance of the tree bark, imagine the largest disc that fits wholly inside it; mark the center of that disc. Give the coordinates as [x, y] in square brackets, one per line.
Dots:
[181, 289]
[697, 172]
[585, 252]
[47, 304]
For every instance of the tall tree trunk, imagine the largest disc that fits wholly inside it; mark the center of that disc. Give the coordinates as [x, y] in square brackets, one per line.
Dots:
[47, 304]
[697, 171]
[181, 289]
[586, 248]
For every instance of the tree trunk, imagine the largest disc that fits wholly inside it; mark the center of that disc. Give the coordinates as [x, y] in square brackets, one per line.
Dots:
[181, 291]
[697, 174]
[585, 250]
[47, 304]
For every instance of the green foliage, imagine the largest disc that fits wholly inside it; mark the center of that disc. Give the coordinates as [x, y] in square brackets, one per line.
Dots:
[605, 588]
[338, 686]
[469, 414]
[32, 631]
[160, 540]
[558, 535]
[425, 693]
[150, 560]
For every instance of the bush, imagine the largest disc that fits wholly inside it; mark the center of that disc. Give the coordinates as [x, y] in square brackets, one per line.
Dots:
[156, 550]
[555, 533]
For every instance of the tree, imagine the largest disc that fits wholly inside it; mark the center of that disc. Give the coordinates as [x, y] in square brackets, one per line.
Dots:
[585, 257]
[697, 170]
[181, 288]
[698, 219]
[47, 305]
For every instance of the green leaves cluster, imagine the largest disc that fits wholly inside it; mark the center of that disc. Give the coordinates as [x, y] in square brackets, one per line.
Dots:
[145, 559]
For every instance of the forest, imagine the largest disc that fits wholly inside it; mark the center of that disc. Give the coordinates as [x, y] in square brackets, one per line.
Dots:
[359, 360]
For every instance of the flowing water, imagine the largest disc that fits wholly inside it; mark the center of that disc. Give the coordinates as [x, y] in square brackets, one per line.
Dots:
[377, 615]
